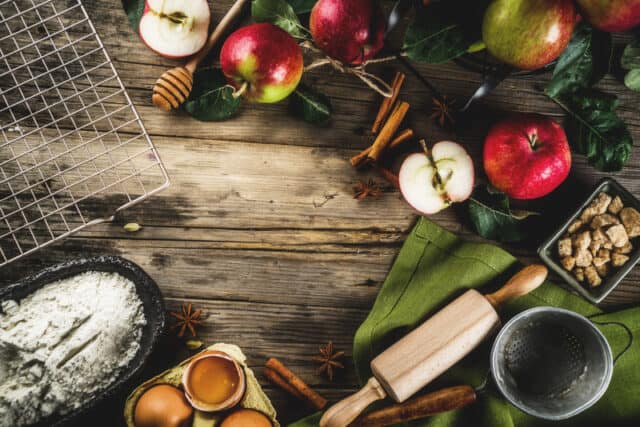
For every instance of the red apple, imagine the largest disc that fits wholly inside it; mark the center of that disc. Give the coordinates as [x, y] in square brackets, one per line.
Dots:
[175, 28]
[611, 15]
[528, 34]
[430, 183]
[527, 156]
[351, 31]
[263, 62]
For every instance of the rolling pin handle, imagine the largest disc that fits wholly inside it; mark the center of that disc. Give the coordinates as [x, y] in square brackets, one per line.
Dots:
[344, 412]
[523, 282]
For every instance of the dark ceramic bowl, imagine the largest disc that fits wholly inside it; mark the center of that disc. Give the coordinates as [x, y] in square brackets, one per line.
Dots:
[153, 306]
[548, 249]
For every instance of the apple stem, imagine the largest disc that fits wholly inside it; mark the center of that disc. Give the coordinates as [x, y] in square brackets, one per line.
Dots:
[533, 140]
[242, 89]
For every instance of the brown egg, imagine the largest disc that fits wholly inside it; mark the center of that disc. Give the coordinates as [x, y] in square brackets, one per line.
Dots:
[163, 406]
[246, 418]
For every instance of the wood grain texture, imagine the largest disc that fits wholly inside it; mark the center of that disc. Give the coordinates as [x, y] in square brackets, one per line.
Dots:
[259, 227]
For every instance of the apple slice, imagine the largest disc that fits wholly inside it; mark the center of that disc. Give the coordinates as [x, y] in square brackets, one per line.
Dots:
[431, 181]
[175, 28]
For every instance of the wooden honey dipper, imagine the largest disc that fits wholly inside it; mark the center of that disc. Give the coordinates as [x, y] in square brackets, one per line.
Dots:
[173, 88]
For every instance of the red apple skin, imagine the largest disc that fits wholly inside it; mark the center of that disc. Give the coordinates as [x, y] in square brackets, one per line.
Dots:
[266, 57]
[527, 156]
[350, 31]
[611, 15]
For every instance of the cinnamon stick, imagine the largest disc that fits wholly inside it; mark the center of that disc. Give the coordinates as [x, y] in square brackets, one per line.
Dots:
[361, 158]
[389, 176]
[294, 384]
[387, 103]
[388, 130]
[430, 404]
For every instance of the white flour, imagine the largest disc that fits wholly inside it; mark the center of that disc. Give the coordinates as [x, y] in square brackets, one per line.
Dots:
[65, 343]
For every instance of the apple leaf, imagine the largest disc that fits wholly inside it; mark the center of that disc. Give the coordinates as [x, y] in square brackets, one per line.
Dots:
[211, 98]
[300, 7]
[595, 130]
[631, 61]
[310, 105]
[134, 9]
[435, 37]
[493, 218]
[583, 63]
[280, 13]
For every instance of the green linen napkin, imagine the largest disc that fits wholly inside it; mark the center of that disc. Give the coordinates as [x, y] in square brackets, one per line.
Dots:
[433, 267]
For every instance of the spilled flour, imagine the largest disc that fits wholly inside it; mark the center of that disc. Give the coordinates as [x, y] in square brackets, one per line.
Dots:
[63, 344]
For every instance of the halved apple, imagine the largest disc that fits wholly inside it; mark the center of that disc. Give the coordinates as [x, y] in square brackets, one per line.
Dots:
[175, 28]
[432, 180]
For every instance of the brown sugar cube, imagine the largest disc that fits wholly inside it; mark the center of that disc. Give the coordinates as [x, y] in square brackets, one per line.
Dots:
[625, 249]
[583, 258]
[600, 261]
[616, 205]
[591, 274]
[588, 214]
[618, 235]
[594, 247]
[599, 236]
[574, 226]
[607, 245]
[618, 260]
[602, 270]
[601, 202]
[564, 247]
[578, 273]
[631, 220]
[582, 240]
[603, 220]
[568, 263]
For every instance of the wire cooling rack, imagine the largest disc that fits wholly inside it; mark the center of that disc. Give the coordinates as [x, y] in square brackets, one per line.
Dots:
[73, 150]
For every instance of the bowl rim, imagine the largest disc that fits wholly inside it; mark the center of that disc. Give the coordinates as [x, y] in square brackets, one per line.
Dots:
[611, 282]
[608, 374]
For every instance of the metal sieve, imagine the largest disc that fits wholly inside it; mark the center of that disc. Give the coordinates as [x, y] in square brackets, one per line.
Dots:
[551, 363]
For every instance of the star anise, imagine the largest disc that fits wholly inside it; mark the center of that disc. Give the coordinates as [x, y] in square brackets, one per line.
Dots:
[187, 319]
[442, 111]
[329, 360]
[362, 189]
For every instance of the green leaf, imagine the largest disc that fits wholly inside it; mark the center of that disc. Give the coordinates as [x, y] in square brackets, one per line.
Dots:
[493, 219]
[300, 7]
[595, 130]
[631, 56]
[632, 80]
[134, 9]
[583, 63]
[310, 105]
[277, 12]
[435, 37]
[631, 61]
[211, 98]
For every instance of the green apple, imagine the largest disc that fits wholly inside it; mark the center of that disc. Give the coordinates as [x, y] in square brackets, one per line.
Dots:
[528, 34]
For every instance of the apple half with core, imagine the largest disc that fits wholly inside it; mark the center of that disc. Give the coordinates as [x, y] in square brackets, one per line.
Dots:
[527, 156]
[611, 15]
[528, 34]
[262, 62]
[175, 28]
[350, 31]
[432, 180]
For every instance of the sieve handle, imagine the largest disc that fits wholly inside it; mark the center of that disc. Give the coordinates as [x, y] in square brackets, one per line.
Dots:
[523, 282]
[344, 412]
[430, 404]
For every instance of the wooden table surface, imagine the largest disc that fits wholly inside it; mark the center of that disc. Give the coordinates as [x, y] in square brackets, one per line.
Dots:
[259, 227]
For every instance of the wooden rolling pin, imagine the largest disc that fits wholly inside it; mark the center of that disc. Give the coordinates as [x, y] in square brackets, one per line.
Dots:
[173, 88]
[433, 347]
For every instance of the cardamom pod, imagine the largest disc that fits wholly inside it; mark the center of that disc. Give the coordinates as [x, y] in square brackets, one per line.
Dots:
[132, 227]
